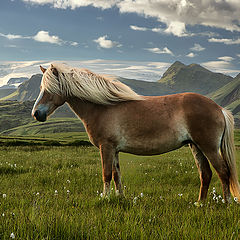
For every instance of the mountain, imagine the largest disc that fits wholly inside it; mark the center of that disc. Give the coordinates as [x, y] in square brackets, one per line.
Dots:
[193, 78]
[147, 88]
[27, 91]
[13, 81]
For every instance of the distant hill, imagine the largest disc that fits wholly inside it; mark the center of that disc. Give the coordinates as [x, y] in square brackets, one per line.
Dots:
[6, 92]
[193, 78]
[147, 88]
[27, 91]
[12, 81]
[229, 95]
[16, 117]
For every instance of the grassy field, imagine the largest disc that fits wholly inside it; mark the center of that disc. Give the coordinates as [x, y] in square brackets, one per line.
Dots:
[54, 192]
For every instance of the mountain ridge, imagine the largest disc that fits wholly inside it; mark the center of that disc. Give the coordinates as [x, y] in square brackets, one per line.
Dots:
[194, 78]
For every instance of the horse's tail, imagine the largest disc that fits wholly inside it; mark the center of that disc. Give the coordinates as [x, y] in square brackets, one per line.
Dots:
[228, 153]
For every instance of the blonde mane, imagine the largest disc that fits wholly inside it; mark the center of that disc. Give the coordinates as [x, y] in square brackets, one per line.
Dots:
[86, 85]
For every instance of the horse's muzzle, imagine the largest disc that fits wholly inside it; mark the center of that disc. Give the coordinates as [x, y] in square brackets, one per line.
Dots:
[40, 116]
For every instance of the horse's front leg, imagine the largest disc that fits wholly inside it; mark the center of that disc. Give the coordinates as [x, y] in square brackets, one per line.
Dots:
[117, 175]
[107, 155]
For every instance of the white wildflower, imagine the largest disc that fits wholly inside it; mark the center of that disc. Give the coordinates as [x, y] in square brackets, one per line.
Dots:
[141, 194]
[180, 194]
[12, 235]
[68, 191]
[4, 195]
[135, 200]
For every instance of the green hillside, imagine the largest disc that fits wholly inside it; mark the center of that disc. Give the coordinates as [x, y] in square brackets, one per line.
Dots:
[16, 119]
[227, 94]
[6, 92]
[52, 126]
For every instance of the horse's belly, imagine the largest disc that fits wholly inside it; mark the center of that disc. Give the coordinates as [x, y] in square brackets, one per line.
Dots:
[151, 146]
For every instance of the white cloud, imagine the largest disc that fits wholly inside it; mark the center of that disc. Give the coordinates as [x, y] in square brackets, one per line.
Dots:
[73, 4]
[216, 64]
[10, 46]
[220, 14]
[156, 50]
[226, 58]
[226, 41]
[43, 36]
[103, 42]
[191, 55]
[223, 65]
[197, 48]
[136, 28]
[176, 28]
[176, 14]
[158, 30]
[13, 36]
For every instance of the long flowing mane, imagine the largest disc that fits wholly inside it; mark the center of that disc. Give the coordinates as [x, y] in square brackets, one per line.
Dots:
[86, 85]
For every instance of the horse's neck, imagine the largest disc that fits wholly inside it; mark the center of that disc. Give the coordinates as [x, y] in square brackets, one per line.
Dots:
[85, 110]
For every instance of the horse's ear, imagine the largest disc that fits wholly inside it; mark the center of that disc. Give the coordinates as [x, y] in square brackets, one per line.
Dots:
[54, 70]
[43, 69]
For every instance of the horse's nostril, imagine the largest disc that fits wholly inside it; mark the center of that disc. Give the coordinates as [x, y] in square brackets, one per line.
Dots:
[40, 116]
[36, 114]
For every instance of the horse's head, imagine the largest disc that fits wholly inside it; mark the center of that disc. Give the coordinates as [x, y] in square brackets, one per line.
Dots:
[47, 101]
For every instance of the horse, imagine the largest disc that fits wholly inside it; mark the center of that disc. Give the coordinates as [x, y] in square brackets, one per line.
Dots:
[117, 119]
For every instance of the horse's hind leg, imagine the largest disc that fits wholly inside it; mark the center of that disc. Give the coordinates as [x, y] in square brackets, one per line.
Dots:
[222, 170]
[204, 171]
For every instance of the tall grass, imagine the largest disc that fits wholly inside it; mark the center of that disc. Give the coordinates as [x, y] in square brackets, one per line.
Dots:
[51, 192]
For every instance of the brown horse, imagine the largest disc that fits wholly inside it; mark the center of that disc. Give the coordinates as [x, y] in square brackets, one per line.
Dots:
[119, 120]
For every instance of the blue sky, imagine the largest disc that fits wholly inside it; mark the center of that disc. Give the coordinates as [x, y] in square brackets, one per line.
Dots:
[135, 39]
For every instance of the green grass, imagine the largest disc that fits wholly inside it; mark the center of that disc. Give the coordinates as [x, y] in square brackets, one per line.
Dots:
[160, 192]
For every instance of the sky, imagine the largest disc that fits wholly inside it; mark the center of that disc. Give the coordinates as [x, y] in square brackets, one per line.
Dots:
[130, 38]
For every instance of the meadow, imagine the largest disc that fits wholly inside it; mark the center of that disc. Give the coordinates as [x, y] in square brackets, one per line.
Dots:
[53, 191]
